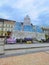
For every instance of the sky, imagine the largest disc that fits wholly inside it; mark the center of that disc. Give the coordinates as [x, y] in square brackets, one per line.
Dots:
[38, 10]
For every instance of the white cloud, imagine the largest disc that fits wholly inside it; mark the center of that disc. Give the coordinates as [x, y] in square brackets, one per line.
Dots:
[31, 7]
[4, 15]
[22, 3]
[3, 2]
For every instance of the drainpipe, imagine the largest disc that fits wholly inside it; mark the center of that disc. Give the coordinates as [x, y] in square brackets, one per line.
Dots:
[2, 27]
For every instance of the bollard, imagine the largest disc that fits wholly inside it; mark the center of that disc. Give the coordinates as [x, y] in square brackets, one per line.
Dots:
[1, 45]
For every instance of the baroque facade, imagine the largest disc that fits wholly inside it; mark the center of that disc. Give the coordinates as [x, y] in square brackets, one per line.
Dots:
[6, 27]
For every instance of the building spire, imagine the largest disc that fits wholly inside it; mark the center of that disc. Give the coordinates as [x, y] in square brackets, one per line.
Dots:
[27, 20]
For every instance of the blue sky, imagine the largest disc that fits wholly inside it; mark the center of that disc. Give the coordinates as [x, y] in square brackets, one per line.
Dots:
[38, 10]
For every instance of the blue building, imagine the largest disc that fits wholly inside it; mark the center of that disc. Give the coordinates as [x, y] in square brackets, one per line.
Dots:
[26, 29]
[27, 26]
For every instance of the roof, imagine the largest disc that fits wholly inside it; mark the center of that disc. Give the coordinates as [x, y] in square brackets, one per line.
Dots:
[2, 20]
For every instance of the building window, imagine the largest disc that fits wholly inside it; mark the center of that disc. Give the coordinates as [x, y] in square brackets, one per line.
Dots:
[1, 23]
[5, 25]
[7, 29]
[4, 29]
[11, 26]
